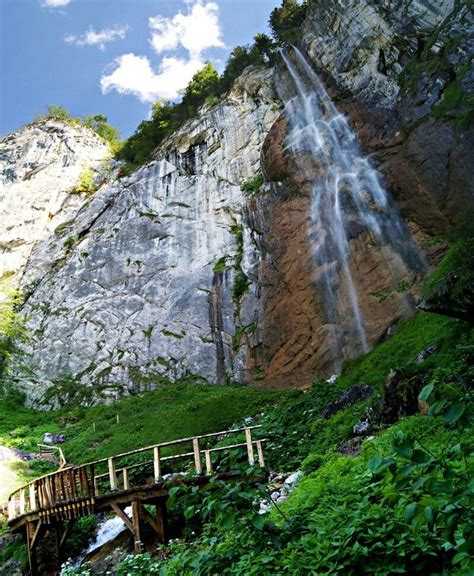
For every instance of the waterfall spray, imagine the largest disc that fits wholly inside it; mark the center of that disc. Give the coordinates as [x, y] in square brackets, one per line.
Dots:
[346, 192]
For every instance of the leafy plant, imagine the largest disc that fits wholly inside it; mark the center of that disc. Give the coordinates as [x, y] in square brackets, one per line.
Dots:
[252, 186]
[86, 183]
[286, 21]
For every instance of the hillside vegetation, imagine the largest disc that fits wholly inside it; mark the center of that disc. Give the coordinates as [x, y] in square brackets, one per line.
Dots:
[401, 506]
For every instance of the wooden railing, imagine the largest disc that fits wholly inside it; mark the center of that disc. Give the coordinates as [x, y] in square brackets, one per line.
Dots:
[47, 450]
[73, 489]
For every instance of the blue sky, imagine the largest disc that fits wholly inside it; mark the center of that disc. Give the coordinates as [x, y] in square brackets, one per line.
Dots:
[113, 57]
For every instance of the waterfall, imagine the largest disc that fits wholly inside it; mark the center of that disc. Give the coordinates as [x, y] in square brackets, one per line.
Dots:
[107, 530]
[347, 196]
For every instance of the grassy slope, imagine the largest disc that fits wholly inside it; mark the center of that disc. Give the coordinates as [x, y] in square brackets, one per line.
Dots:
[171, 412]
[408, 514]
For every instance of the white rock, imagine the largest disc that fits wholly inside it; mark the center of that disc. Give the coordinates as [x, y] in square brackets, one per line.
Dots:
[294, 478]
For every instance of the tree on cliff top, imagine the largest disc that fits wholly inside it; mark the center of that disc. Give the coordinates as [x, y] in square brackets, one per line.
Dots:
[286, 22]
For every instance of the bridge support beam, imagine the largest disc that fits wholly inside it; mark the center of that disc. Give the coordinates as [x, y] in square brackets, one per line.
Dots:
[137, 513]
[33, 530]
[140, 515]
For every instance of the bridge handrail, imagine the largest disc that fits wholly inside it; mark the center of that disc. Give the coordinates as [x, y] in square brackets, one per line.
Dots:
[80, 482]
[62, 459]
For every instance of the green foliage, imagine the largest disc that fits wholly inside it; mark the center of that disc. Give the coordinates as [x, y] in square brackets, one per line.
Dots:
[13, 553]
[252, 186]
[456, 104]
[205, 87]
[401, 349]
[241, 281]
[86, 183]
[167, 117]
[54, 113]
[12, 331]
[187, 409]
[450, 289]
[80, 535]
[286, 22]
[138, 565]
[68, 569]
[70, 242]
[403, 506]
[99, 124]
[259, 54]
[221, 264]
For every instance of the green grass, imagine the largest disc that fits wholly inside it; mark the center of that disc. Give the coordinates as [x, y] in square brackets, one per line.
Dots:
[172, 411]
[400, 350]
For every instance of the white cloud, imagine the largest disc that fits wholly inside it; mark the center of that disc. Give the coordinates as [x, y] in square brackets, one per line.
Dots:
[93, 38]
[54, 3]
[134, 75]
[195, 31]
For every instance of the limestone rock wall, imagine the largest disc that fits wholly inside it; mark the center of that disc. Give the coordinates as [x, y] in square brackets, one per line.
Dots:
[393, 68]
[174, 271]
[39, 168]
[141, 291]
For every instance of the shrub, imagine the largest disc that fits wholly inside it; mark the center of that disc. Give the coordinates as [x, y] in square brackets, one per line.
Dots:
[252, 186]
[450, 289]
[86, 183]
[12, 331]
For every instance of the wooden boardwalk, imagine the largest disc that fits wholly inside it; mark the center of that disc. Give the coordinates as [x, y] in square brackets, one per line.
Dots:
[52, 503]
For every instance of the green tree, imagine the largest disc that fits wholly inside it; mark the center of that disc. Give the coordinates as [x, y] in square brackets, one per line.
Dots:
[263, 48]
[286, 22]
[12, 330]
[99, 124]
[57, 112]
[203, 84]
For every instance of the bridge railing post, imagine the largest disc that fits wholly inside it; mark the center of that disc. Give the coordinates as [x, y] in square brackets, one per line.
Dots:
[22, 501]
[207, 455]
[197, 456]
[112, 475]
[248, 440]
[12, 507]
[32, 496]
[157, 463]
[261, 461]
[126, 481]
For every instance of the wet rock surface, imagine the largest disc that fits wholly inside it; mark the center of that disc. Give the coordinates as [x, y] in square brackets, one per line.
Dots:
[357, 393]
[390, 65]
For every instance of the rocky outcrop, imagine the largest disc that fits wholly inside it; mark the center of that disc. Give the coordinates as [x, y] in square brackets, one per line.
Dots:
[145, 286]
[402, 72]
[39, 169]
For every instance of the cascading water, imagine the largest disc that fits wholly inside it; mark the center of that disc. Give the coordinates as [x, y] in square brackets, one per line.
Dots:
[107, 530]
[347, 197]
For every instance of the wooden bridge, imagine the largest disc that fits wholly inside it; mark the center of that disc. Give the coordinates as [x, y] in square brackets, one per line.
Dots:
[51, 504]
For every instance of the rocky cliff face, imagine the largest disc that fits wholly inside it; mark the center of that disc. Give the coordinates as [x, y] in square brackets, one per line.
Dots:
[146, 285]
[402, 71]
[39, 169]
[174, 271]
[392, 68]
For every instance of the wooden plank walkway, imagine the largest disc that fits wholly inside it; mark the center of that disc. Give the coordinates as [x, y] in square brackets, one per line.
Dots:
[52, 503]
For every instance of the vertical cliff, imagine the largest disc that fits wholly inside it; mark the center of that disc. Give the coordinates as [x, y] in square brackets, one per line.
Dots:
[40, 167]
[141, 281]
[272, 237]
